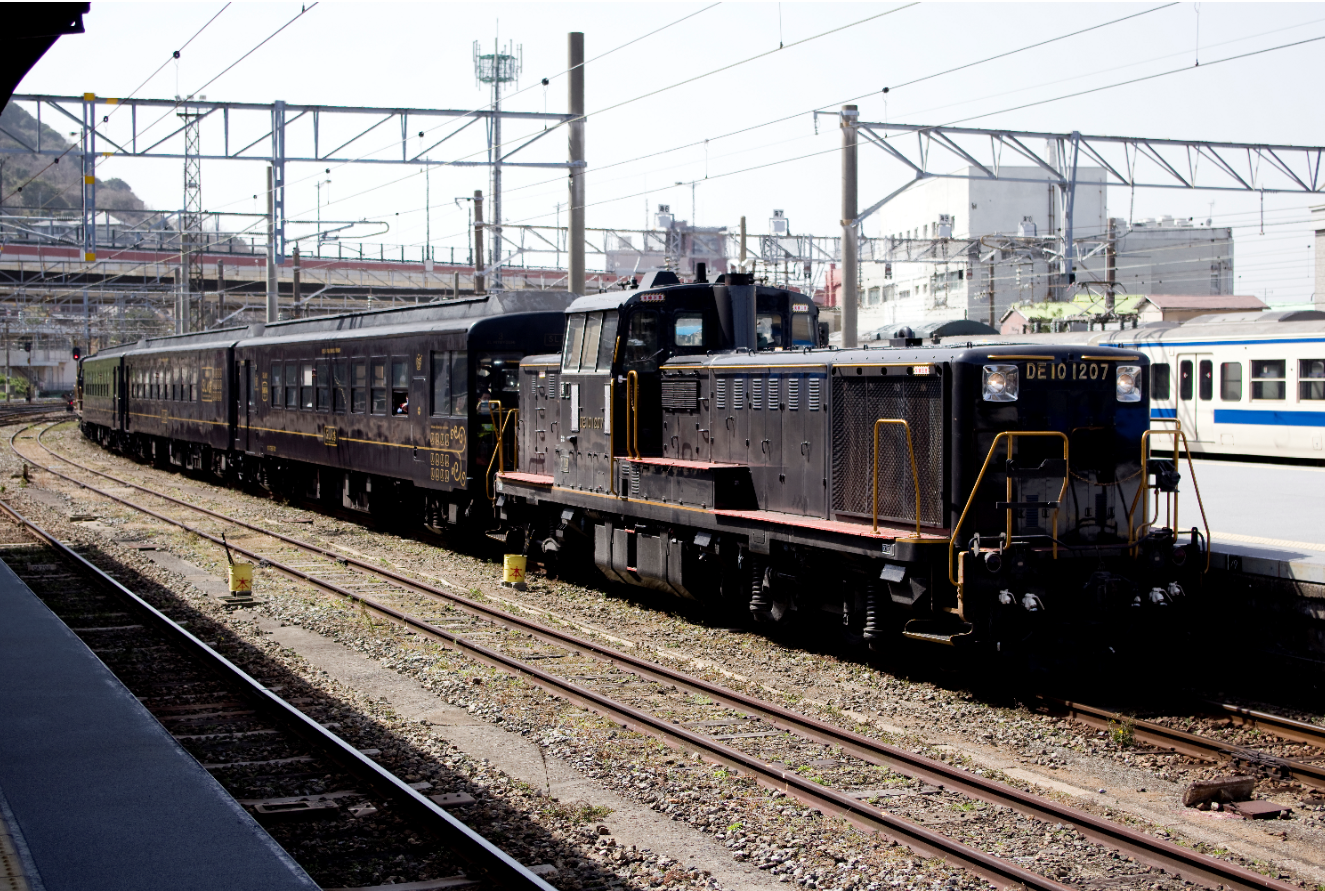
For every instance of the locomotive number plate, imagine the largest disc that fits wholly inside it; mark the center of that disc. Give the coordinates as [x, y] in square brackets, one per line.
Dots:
[1067, 371]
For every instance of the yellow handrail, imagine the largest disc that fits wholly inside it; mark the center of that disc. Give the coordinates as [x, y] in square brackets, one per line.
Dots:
[1011, 438]
[1142, 494]
[498, 458]
[914, 476]
[632, 414]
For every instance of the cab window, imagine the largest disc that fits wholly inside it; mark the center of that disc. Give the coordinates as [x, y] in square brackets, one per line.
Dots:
[573, 348]
[689, 334]
[593, 329]
[768, 330]
[607, 342]
[802, 329]
[642, 351]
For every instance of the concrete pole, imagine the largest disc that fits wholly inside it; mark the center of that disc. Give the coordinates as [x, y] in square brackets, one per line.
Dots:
[220, 290]
[497, 149]
[8, 373]
[478, 241]
[575, 230]
[455, 286]
[850, 261]
[296, 311]
[273, 295]
[742, 244]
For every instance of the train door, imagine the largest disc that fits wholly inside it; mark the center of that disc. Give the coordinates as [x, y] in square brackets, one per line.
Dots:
[796, 454]
[770, 447]
[1196, 393]
[243, 403]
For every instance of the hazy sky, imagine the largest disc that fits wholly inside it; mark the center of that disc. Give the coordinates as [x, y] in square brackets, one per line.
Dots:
[420, 55]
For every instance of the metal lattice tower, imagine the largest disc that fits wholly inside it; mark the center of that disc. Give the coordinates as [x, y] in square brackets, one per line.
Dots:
[497, 68]
[190, 315]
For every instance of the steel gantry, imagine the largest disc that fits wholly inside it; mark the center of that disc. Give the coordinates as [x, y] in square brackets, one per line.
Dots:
[277, 133]
[1125, 161]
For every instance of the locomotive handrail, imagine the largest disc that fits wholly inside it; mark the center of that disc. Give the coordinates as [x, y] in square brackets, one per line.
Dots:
[1011, 437]
[1142, 494]
[632, 414]
[914, 475]
[499, 422]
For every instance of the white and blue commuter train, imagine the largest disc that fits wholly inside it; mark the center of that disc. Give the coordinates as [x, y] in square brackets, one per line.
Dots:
[1242, 385]
[1246, 385]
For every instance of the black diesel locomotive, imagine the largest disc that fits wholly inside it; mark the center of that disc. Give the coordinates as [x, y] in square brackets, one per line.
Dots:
[398, 412]
[692, 438]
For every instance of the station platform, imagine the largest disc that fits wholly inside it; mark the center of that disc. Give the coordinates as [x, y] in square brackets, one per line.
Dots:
[1265, 517]
[94, 793]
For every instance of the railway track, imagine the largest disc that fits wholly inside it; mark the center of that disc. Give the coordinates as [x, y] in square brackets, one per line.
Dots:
[343, 574]
[256, 743]
[1206, 747]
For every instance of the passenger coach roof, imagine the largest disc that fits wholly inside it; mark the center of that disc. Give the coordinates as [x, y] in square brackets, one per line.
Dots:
[453, 315]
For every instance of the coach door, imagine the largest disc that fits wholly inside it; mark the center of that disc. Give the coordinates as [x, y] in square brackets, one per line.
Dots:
[1196, 394]
[243, 403]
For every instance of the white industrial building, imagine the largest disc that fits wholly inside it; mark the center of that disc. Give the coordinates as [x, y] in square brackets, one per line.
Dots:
[1002, 231]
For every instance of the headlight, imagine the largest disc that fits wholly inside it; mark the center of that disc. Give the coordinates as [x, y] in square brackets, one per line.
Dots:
[1129, 383]
[1001, 383]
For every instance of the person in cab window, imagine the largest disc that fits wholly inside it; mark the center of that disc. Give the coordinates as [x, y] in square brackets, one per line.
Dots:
[403, 407]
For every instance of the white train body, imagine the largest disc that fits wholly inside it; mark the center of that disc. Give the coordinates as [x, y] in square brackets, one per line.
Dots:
[1242, 384]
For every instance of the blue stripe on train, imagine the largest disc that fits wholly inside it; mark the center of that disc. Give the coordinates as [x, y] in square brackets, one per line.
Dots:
[1270, 418]
[1163, 412]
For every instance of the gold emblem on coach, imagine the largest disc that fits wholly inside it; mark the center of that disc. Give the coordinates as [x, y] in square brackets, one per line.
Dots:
[329, 436]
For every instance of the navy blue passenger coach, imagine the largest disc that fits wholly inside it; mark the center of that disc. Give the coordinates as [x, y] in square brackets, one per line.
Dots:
[361, 411]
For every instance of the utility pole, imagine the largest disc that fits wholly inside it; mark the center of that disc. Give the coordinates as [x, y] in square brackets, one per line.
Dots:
[992, 256]
[9, 381]
[497, 69]
[575, 224]
[220, 290]
[743, 244]
[850, 285]
[273, 294]
[427, 218]
[296, 311]
[478, 242]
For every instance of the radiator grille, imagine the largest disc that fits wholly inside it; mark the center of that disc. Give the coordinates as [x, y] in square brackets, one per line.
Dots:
[756, 393]
[815, 402]
[552, 385]
[680, 395]
[738, 392]
[722, 392]
[793, 393]
[857, 404]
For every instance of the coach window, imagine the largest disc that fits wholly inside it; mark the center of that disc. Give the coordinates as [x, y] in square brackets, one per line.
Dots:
[291, 385]
[571, 349]
[340, 382]
[306, 386]
[1207, 381]
[377, 385]
[1230, 381]
[1159, 381]
[1267, 379]
[359, 387]
[277, 386]
[1185, 381]
[399, 387]
[460, 382]
[441, 385]
[1311, 379]
[322, 380]
[607, 341]
[642, 341]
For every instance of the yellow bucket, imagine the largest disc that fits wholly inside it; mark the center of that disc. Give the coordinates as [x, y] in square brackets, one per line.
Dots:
[513, 568]
[241, 579]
